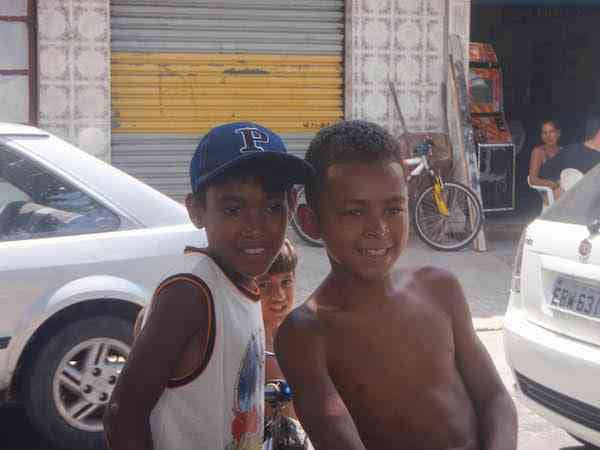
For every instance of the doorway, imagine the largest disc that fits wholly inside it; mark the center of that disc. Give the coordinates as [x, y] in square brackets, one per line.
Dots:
[550, 70]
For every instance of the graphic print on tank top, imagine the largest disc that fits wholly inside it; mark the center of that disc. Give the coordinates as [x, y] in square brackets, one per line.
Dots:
[247, 424]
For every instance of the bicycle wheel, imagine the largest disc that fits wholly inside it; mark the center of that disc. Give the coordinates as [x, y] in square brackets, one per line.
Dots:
[302, 211]
[458, 228]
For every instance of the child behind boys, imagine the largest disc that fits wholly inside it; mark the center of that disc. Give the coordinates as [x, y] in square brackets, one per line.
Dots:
[277, 300]
[383, 357]
[195, 376]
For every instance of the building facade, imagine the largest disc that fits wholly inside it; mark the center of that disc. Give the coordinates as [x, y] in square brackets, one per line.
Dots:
[137, 82]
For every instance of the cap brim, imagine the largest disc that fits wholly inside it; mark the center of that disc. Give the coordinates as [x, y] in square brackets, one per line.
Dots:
[288, 168]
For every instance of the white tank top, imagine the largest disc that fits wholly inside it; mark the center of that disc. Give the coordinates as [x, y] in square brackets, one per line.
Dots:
[221, 405]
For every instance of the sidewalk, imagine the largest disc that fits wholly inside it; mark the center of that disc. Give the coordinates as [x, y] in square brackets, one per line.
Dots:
[485, 276]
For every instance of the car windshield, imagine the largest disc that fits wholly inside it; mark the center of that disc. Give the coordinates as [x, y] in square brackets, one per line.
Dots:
[581, 204]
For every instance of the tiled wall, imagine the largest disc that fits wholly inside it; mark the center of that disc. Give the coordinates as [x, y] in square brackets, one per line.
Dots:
[403, 41]
[74, 72]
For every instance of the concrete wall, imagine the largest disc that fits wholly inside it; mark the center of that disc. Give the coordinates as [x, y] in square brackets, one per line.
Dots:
[74, 72]
[405, 41]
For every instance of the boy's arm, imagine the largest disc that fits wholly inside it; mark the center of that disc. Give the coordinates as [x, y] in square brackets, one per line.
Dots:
[496, 413]
[179, 311]
[321, 411]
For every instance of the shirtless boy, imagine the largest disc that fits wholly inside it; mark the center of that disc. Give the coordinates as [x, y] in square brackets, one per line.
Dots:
[382, 356]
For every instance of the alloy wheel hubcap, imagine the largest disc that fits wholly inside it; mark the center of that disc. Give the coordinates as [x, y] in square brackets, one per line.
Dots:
[85, 379]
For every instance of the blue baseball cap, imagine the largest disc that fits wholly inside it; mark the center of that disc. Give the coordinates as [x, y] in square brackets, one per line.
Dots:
[229, 145]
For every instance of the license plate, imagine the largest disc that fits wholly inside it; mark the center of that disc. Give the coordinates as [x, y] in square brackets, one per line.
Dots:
[575, 297]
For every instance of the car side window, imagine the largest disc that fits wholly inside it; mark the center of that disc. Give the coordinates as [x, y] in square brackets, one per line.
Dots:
[35, 203]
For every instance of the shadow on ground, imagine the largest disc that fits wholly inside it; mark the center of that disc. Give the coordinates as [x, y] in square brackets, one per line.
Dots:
[16, 433]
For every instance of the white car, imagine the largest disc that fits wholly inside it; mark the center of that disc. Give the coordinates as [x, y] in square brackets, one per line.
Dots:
[82, 247]
[552, 326]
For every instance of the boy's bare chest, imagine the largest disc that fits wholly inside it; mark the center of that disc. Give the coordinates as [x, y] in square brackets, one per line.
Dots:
[412, 345]
[395, 369]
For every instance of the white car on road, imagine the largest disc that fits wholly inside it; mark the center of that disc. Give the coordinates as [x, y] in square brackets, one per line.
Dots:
[552, 326]
[82, 247]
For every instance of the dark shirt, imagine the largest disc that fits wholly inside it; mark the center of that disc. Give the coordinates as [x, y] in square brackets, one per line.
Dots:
[575, 156]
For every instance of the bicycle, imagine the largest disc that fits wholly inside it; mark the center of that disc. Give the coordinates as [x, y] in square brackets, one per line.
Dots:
[447, 215]
[281, 432]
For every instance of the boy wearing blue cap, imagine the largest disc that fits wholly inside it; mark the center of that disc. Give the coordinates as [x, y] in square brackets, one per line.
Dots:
[195, 376]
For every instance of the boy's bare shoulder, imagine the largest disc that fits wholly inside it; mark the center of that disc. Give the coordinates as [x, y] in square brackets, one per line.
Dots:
[435, 283]
[432, 275]
[300, 326]
[427, 275]
[302, 319]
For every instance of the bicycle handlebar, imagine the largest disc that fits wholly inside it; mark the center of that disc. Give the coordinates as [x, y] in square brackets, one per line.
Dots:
[423, 148]
[277, 391]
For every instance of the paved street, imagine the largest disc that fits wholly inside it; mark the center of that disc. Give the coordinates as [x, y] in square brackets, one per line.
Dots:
[534, 432]
[486, 280]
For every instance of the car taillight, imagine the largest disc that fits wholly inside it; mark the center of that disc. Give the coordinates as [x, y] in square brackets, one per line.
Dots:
[515, 284]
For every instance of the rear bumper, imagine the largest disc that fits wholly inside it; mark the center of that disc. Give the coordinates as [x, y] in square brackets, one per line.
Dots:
[557, 377]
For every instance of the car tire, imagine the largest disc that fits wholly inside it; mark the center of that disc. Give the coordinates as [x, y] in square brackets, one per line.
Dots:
[71, 379]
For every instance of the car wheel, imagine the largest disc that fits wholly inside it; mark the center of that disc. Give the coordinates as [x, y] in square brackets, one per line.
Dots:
[72, 379]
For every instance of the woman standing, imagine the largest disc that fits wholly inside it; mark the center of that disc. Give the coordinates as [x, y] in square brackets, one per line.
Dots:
[550, 134]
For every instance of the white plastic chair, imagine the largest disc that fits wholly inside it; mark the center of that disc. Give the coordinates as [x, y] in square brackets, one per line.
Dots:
[569, 178]
[545, 192]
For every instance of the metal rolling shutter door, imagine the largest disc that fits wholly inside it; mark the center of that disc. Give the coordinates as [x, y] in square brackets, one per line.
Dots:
[180, 67]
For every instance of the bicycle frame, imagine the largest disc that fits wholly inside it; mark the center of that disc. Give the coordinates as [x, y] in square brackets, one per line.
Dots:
[420, 164]
[277, 402]
[278, 431]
